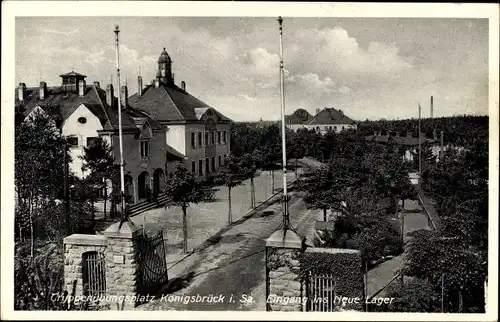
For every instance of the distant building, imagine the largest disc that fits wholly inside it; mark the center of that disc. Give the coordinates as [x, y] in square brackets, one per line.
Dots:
[84, 113]
[195, 131]
[406, 142]
[327, 119]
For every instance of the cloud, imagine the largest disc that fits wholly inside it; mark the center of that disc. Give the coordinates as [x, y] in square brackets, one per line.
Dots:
[261, 62]
[313, 83]
[53, 31]
[246, 97]
[344, 90]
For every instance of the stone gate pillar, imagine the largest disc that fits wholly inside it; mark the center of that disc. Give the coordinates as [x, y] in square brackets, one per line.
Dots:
[74, 248]
[283, 283]
[122, 266]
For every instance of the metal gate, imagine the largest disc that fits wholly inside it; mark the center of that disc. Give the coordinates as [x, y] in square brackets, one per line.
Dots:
[94, 274]
[320, 290]
[153, 263]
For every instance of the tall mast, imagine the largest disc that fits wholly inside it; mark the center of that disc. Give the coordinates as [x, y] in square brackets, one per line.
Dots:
[122, 176]
[286, 219]
[419, 146]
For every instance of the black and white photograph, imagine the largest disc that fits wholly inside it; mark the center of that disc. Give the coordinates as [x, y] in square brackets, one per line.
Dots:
[177, 156]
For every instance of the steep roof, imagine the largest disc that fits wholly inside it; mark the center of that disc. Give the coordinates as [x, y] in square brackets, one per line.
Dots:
[331, 116]
[300, 116]
[64, 103]
[169, 103]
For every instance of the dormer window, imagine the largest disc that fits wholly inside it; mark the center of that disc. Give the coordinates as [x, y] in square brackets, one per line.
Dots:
[72, 141]
[82, 120]
[209, 113]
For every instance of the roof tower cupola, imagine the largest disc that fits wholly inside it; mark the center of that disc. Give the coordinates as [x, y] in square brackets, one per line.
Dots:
[165, 68]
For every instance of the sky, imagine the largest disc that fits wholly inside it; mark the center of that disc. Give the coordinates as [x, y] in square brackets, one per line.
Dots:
[370, 68]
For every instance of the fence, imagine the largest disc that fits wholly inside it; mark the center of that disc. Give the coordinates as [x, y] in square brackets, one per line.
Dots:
[320, 290]
[94, 274]
[153, 263]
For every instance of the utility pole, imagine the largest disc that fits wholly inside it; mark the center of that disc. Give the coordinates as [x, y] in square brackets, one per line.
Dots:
[432, 106]
[122, 176]
[442, 146]
[66, 188]
[286, 219]
[419, 147]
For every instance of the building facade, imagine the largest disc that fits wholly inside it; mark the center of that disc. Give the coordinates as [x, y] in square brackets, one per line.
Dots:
[84, 113]
[194, 130]
[325, 120]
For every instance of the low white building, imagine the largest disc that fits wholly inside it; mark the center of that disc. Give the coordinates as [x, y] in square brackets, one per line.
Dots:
[325, 120]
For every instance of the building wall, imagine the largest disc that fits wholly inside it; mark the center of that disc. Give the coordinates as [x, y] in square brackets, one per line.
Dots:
[332, 127]
[135, 164]
[73, 128]
[176, 137]
[206, 150]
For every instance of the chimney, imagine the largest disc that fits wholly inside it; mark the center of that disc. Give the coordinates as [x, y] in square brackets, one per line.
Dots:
[43, 90]
[124, 96]
[109, 95]
[317, 111]
[139, 85]
[183, 85]
[82, 87]
[21, 91]
[432, 107]
[97, 85]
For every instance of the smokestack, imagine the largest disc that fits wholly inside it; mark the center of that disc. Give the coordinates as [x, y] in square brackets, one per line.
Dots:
[96, 84]
[21, 91]
[139, 85]
[109, 95]
[432, 107]
[43, 90]
[183, 85]
[81, 88]
[124, 96]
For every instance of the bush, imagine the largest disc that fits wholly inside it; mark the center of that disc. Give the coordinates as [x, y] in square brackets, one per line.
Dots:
[417, 295]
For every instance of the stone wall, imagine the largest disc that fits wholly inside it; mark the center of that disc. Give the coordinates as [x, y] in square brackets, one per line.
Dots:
[74, 248]
[118, 244]
[285, 289]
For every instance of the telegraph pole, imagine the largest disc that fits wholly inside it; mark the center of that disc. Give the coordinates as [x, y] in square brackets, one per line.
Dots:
[122, 176]
[286, 219]
[419, 147]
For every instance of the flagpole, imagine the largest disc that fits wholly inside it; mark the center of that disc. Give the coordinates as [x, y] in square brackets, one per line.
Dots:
[286, 219]
[122, 176]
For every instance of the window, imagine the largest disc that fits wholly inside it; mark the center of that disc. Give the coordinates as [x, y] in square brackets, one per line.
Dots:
[82, 120]
[144, 148]
[199, 139]
[342, 127]
[193, 144]
[220, 159]
[91, 140]
[200, 167]
[335, 127]
[193, 166]
[213, 163]
[219, 136]
[213, 138]
[206, 139]
[207, 165]
[225, 137]
[73, 141]
[224, 159]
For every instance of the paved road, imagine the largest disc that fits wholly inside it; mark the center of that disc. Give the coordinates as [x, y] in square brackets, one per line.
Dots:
[236, 265]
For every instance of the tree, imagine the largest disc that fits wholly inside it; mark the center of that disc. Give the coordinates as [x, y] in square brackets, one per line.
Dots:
[270, 150]
[417, 295]
[230, 175]
[98, 159]
[248, 166]
[182, 190]
[39, 167]
[295, 148]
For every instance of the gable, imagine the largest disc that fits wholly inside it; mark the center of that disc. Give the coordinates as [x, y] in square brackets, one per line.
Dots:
[82, 121]
[146, 131]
